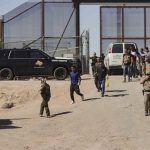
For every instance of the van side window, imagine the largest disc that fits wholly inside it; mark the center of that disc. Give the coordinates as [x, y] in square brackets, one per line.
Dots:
[117, 48]
[129, 45]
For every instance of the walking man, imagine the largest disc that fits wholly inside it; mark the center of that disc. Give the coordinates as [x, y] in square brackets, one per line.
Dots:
[75, 82]
[127, 63]
[46, 94]
[101, 73]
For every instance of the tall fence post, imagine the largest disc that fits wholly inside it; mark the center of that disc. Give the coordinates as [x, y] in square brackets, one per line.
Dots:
[87, 50]
[81, 53]
[77, 6]
[1, 32]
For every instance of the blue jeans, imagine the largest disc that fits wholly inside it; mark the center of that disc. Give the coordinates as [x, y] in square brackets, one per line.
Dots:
[101, 85]
[134, 70]
[127, 71]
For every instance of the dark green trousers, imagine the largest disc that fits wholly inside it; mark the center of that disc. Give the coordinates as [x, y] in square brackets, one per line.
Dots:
[147, 101]
[44, 104]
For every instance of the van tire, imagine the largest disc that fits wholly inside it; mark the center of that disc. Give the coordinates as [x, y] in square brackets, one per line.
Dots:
[60, 73]
[6, 74]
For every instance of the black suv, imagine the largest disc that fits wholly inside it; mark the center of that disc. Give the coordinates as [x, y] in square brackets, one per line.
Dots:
[33, 62]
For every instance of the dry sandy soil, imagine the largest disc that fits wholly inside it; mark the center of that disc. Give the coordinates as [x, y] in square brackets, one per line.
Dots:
[113, 122]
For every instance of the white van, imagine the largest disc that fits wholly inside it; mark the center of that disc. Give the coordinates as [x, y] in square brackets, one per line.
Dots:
[114, 54]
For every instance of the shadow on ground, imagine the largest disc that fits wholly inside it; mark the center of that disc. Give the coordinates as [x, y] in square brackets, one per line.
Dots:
[116, 90]
[116, 95]
[91, 99]
[86, 78]
[62, 113]
[20, 118]
[7, 124]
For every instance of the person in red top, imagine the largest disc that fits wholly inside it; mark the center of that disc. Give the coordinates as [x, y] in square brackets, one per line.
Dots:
[134, 63]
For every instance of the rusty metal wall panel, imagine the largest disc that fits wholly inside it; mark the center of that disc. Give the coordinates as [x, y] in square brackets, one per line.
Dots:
[0, 28]
[1, 33]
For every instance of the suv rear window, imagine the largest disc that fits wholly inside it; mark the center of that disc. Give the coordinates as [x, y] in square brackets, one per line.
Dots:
[34, 54]
[117, 48]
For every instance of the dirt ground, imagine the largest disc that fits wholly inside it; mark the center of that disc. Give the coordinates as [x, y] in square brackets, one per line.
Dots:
[113, 122]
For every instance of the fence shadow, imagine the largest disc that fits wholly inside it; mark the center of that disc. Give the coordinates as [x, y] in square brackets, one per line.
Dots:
[20, 118]
[86, 78]
[116, 91]
[116, 95]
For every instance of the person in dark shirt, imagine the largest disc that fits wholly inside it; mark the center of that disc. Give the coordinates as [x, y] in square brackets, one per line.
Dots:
[101, 73]
[94, 59]
[75, 82]
[127, 65]
[102, 57]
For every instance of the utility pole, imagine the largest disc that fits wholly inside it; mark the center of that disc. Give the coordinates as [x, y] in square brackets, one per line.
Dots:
[43, 26]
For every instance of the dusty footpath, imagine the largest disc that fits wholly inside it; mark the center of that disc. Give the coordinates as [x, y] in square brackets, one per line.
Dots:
[113, 122]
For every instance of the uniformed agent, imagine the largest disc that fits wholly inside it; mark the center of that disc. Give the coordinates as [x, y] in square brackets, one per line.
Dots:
[146, 88]
[46, 94]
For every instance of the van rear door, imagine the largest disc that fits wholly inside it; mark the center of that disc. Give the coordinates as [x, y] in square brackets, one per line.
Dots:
[115, 57]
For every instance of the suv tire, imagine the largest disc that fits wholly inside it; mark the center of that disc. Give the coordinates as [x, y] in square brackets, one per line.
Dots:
[60, 73]
[6, 74]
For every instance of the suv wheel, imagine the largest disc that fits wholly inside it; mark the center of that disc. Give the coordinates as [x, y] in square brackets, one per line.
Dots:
[60, 73]
[6, 74]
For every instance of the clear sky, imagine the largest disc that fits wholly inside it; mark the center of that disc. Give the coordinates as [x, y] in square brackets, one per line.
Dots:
[89, 20]
[7, 5]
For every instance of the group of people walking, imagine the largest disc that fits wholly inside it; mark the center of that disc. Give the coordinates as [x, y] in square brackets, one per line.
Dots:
[46, 93]
[134, 63]
[138, 63]
[99, 72]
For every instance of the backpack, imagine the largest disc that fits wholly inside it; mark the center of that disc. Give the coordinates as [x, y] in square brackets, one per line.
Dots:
[126, 59]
